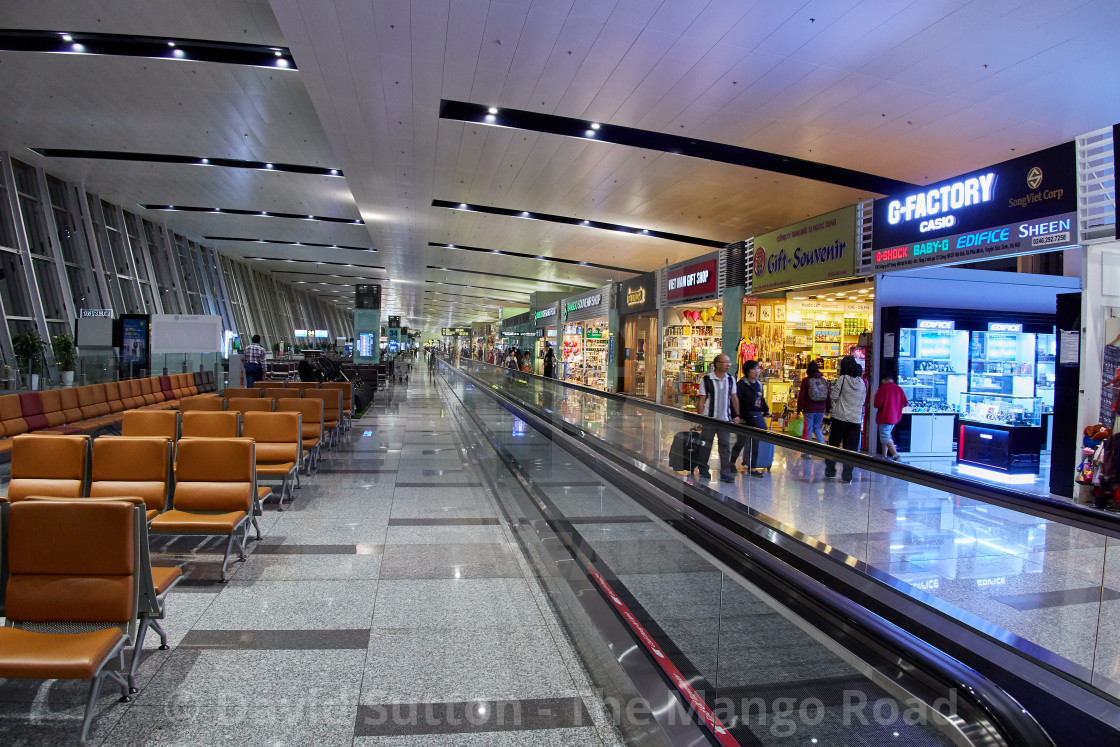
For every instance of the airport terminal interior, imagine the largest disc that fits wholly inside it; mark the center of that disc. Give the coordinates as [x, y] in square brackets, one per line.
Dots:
[559, 372]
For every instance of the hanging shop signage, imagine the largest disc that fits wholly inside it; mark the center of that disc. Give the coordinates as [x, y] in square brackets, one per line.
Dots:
[637, 295]
[1025, 205]
[546, 317]
[1004, 327]
[395, 321]
[695, 280]
[367, 296]
[838, 305]
[456, 331]
[812, 251]
[595, 304]
[945, 324]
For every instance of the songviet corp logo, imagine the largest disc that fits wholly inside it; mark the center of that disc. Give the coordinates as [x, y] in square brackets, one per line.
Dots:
[1034, 178]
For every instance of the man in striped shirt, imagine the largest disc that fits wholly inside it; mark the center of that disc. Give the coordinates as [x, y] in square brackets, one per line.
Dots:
[254, 361]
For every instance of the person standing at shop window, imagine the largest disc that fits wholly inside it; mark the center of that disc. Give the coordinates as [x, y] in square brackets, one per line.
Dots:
[254, 361]
[813, 402]
[719, 402]
[889, 403]
[846, 405]
[753, 412]
[549, 362]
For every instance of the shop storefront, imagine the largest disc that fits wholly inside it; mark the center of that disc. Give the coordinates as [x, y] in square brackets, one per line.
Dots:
[692, 324]
[976, 352]
[519, 333]
[804, 305]
[546, 320]
[587, 339]
[483, 336]
[637, 339]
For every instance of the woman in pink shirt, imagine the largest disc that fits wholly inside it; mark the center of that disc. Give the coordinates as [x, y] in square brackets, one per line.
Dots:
[889, 401]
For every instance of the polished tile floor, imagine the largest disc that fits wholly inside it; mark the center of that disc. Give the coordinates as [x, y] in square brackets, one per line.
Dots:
[388, 605]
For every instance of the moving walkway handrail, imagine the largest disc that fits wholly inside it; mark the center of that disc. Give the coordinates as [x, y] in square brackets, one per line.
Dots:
[1007, 716]
[1069, 514]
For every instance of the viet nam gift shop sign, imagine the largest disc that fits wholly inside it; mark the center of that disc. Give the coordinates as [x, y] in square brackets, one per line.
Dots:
[695, 280]
[812, 251]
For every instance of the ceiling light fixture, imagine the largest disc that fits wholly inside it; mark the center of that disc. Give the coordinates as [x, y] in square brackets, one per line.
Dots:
[589, 133]
[67, 38]
[77, 47]
[178, 53]
[281, 63]
[594, 125]
[492, 110]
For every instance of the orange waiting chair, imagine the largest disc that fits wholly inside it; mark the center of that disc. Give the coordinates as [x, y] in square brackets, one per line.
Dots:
[215, 492]
[332, 411]
[74, 562]
[347, 389]
[311, 412]
[281, 394]
[240, 391]
[207, 404]
[268, 385]
[157, 423]
[251, 404]
[303, 385]
[278, 437]
[129, 466]
[211, 425]
[49, 465]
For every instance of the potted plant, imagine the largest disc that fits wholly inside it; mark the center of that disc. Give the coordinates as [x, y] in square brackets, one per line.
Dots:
[65, 355]
[28, 347]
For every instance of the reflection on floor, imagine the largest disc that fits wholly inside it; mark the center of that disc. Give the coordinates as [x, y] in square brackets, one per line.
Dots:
[1034, 484]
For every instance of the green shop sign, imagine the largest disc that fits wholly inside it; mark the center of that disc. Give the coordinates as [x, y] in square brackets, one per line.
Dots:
[812, 251]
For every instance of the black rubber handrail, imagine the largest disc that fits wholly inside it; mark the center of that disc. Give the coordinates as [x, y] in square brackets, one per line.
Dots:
[1069, 514]
[1016, 724]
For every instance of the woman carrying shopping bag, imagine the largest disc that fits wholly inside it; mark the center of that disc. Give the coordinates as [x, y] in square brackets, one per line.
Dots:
[752, 411]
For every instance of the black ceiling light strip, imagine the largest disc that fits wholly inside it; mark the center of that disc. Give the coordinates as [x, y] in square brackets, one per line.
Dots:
[598, 224]
[677, 144]
[533, 256]
[316, 262]
[157, 47]
[479, 287]
[329, 275]
[258, 213]
[229, 163]
[290, 243]
[511, 277]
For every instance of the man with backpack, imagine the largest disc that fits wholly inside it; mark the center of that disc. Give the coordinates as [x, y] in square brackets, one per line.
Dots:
[719, 402]
[812, 402]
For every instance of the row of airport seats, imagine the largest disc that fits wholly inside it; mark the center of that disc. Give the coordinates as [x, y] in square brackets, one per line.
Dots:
[83, 561]
[300, 389]
[93, 407]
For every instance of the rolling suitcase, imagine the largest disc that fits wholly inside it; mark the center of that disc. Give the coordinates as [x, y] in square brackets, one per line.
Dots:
[683, 452]
[765, 458]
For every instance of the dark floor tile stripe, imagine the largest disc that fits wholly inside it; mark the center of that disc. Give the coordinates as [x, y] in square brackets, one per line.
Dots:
[296, 549]
[439, 485]
[276, 640]
[1044, 599]
[403, 719]
[328, 471]
[469, 522]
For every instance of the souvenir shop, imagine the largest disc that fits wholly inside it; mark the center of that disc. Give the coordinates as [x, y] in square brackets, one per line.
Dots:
[483, 337]
[637, 339]
[805, 305]
[977, 351]
[545, 321]
[519, 332]
[692, 319]
[587, 339]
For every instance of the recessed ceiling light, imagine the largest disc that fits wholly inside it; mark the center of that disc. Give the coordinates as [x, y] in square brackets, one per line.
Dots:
[594, 125]
[178, 53]
[492, 110]
[77, 47]
[278, 53]
[171, 44]
[281, 63]
[490, 117]
[334, 172]
[462, 206]
[589, 133]
[67, 38]
[204, 160]
[587, 223]
[268, 165]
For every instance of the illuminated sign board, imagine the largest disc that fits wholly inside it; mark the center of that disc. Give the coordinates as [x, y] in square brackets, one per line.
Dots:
[546, 312]
[936, 324]
[694, 280]
[1021, 206]
[300, 333]
[367, 296]
[812, 251]
[1004, 327]
[637, 294]
[456, 331]
[320, 333]
[96, 313]
[395, 321]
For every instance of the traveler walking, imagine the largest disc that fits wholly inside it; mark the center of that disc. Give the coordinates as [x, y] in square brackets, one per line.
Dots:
[889, 402]
[813, 402]
[752, 411]
[719, 402]
[847, 398]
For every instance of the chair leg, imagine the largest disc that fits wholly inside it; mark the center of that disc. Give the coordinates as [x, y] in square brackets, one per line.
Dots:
[163, 645]
[257, 527]
[225, 560]
[137, 650]
[91, 702]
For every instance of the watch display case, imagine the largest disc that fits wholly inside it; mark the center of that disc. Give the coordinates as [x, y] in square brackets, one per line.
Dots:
[1001, 410]
[933, 367]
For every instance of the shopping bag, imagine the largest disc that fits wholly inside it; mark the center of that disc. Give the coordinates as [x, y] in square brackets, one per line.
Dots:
[796, 427]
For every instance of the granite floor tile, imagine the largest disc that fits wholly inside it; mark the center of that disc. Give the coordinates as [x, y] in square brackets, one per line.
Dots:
[460, 604]
[276, 640]
[449, 561]
[443, 535]
[471, 718]
[481, 663]
[291, 605]
[301, 723]
[305, 567]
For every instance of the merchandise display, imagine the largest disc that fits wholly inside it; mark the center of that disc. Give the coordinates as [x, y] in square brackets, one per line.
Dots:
[692, 340]
[932, 366]
[1001, 432]
[596, 346]
[571, 354]
[1044, 376]
[1002, 363]
[999, 409]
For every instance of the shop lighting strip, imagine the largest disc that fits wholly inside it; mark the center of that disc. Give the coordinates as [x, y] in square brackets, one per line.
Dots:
[675, 144]
[596, 224]
[229, 163]
[468, 295]
[512, 277]
[541, 257]
[258, 213]
[290, 243]
[154, 47]
[316, 262]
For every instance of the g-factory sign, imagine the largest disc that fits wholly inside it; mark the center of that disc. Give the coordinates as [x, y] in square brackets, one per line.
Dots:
[637, 294]
[1025, 205]
[694, 280]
